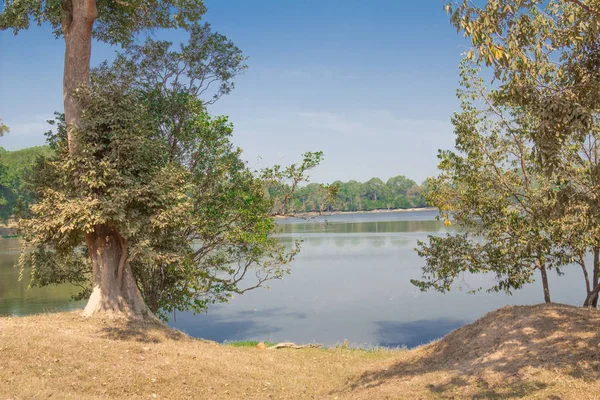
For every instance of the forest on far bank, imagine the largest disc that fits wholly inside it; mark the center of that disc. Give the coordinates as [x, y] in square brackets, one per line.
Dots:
[14, 168]
[398, 192]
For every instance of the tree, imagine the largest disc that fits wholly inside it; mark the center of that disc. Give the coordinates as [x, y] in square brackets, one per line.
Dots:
[544, 54]
[404, 192]
[3, 128]
[281, 185]
[525, 180]
[398, 192]
[15, 167]
[376, 194]
[496, 194]
[155, 168]
[115, 22]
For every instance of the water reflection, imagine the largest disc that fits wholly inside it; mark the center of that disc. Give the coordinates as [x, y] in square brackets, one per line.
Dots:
[351, 281]
[413, 333]
[320, 227]
[16, 298]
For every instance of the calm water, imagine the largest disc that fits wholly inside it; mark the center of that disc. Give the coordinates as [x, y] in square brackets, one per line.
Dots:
[16, 298]
[351, 281]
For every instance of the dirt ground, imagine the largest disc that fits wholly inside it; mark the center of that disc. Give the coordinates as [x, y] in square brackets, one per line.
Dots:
[542, 352]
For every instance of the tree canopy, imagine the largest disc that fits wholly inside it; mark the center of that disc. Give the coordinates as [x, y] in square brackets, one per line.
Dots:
[16, 167]
[523, 184]
[544, 55]
[3, 128]
[116, 21]
[155, 167]
[397, 192]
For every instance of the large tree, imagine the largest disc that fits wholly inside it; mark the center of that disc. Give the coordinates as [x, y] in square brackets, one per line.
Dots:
[544, 54]
[115, 22]
[525, 180]
[490, 188]
[515, 218]
[155, 167]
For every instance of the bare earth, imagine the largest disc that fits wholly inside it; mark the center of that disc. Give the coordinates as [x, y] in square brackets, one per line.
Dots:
[542, 352]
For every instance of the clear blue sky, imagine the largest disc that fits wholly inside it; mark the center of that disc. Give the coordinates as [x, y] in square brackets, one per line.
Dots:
[372, 84]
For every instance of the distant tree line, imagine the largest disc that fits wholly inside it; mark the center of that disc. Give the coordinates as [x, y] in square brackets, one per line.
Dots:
[375, 194]
[14, 168]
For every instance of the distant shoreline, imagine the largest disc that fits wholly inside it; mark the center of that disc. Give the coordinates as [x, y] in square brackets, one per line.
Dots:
[317, 214]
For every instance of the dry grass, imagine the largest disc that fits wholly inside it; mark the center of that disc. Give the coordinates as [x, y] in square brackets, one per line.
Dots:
[548, 352]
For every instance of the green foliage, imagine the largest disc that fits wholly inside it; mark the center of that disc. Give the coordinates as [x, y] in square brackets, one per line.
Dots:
[491, 188]
[117, 21]
[3, 128]
[397, 192]
[281, 184]
[545, 55]
[155, 166]
[15, 166]
[157, 67]
[516, 216]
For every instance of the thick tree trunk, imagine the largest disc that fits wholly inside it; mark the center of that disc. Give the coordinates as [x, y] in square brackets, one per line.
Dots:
[78, 22]
[113, 286]
[545, 284]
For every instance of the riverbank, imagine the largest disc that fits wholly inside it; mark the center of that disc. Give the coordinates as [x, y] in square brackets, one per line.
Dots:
[324, 214]
[542, 351]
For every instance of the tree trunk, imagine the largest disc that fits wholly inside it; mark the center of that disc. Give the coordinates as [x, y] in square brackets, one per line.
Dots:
[595, 278]
[592, 296]
[77, 24]
[545, 284]
[114, 288]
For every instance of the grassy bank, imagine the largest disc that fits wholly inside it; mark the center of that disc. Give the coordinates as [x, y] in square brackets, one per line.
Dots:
[539, 351]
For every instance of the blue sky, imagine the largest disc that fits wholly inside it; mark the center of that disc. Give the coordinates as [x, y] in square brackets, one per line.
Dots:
[371, 84]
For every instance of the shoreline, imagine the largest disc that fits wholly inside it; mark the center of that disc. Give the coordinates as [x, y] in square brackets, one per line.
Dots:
[526, 352]
[327, 213]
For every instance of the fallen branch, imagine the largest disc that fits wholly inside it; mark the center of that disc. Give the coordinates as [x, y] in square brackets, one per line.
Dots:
[290, 345]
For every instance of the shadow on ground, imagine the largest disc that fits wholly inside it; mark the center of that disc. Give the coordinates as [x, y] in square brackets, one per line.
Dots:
[510, 353]
[140, 331]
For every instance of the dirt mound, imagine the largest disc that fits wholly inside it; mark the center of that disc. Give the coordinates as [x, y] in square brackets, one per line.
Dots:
[548, 351]
[528, 352]
[518, 336]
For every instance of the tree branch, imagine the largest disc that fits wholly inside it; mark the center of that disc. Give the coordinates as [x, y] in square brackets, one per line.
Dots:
[123, 3]
[585, 7]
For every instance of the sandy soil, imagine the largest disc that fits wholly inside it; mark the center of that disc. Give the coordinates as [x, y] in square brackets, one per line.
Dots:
[543, 351]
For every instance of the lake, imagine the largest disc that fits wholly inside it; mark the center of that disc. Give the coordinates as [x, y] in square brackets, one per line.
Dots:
[350, 281]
